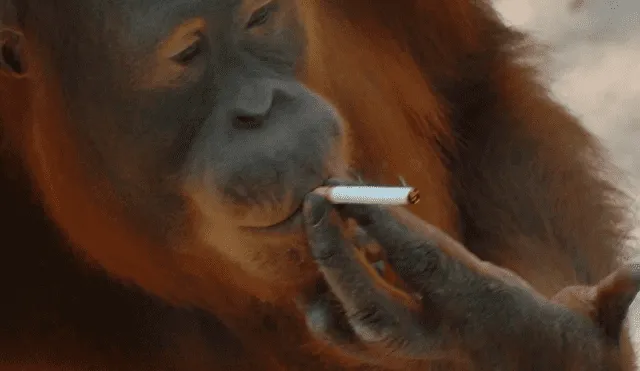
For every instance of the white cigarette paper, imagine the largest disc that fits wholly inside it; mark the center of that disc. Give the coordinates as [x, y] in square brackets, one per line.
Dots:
[370, 195]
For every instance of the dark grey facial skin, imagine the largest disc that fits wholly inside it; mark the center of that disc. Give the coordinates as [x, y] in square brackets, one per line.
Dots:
[190, 115]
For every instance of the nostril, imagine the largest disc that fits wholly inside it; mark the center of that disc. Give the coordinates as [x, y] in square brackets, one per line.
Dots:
[247, 122]
[10, 53]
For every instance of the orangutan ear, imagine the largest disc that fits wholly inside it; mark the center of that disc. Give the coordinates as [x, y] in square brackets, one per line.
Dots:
[12, 58]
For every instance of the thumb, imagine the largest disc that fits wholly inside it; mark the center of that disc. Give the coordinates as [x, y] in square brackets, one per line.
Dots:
[614, 295]
[606, 303]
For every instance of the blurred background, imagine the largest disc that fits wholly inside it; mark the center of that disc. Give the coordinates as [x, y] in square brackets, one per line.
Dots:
[594, 69]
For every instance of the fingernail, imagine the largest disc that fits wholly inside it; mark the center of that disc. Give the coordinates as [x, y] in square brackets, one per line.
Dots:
[316, 209]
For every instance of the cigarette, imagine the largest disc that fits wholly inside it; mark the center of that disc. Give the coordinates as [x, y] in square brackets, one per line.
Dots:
[370, 195]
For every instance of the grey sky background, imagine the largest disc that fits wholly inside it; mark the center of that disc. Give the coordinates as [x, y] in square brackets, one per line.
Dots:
[594, 69]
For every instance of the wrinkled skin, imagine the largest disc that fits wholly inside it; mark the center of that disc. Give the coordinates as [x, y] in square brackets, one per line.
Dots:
[209, 131]
[160, 156]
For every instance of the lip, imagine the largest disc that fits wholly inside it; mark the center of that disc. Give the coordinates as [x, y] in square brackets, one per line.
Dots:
[291, 224]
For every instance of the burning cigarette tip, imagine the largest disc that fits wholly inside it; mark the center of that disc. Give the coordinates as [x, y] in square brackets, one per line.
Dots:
[413, 197]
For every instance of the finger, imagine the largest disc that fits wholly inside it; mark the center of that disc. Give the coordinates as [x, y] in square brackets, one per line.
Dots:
[424, 256]
[377, 221]
[371, 246]
[362, 240]
[415, 256]
[368, 245]
[381, 224]
[325, 320]
[607, 303]
[375, 314]
[615, 294]
[346, 276]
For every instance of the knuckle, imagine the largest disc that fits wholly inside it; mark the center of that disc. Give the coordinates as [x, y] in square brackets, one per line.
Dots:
[318, 320]
[372, 325]
[371, 334]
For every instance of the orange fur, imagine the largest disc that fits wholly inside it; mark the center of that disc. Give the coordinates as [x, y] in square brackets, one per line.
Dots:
[437, 92]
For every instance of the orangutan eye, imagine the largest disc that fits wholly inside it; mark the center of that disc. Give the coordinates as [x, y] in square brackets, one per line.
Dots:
[262, 15]
[190, 53]
[186, 42]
